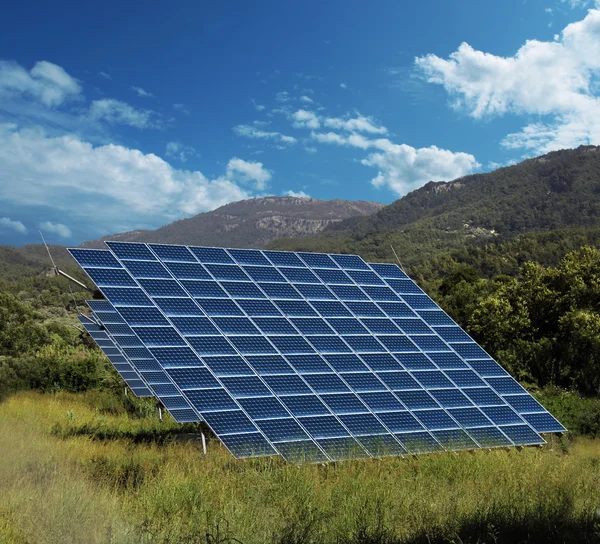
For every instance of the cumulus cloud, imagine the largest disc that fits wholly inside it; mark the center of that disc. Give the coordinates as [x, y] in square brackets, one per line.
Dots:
[46, 83]
[296, 194]
[56, 228]
[14, 225]
[179, 151]
[116, 112]
[305, 119]
[306, 99]
[140, 91]
[356, 124]
[254, 131]
[554, 80]
[120, 188]
[104, 75]
[248, 172]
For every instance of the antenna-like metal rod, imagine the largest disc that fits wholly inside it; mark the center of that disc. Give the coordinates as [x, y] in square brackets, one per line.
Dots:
[48, 250]
[81, 284]
[396, 255]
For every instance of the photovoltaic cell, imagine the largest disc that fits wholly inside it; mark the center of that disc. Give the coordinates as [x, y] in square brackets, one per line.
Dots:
[312, 356]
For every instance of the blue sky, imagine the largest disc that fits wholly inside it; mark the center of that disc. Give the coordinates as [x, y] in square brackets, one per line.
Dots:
[119, 116]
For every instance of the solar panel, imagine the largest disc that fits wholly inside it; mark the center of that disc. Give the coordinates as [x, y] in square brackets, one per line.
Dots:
[311, 356]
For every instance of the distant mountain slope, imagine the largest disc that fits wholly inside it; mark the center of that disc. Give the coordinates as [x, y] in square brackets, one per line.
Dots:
[556, 191]
[251, 223]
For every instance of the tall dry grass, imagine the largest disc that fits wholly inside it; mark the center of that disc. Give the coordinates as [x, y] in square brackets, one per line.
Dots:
[69, 486]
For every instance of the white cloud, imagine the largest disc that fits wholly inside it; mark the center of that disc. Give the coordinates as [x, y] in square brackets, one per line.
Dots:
[555, 80]
[140, 91]
[56, 228]
[305, 119]
[252, 131]
[45, 83]
[356, 124]
[119, 188]
[344, 85]
[282, 96]
[257, 107]
[182, 108]
[15, 225]
[179, 151]
[116, 112]
[297, 194]
[105, 75]
[306, 99]
[248, 172]
[328, 138]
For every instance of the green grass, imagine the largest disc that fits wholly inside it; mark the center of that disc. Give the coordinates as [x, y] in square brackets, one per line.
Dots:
[78, 485]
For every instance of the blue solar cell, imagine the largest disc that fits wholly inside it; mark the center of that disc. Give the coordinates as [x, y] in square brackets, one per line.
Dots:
[363, 381]
[227, 272]
[365, 309]
[419, 302]
[329, 344]
[249, 256]
[524, 403]
[299, 275]
[188, 271]
[178, 306]
[399, 343]
[263, 407]
[252, 344]
[242, 289]
[211, 399]
[454, 439]
[193, 378]
[118, 328]
[159, 336]
[282, 430]
[174, 403]
[256, 308]
[323, 426]
[381, 293]
[413, 326]
[435, 419]
[342, 448]
[365, 278]
[311, 325]
[129, 250]
[228, 366]
[279, 290]
[381, 361]
[435, 317]
[447, 361]
[287, 385]
[432, 379]
[382, 445]
[452, 334]
[487, 368]
[194, 325]
[229, 422]
[396, 309]
[235, 325]
[172, 253]
[147, 364]
[245, 386]
[544, 423]
[400, 422]
[505, 386]
[247, 445]
[347, 326]
[301, 451]
[317, 260]
[264, 273]
[465, 378]
[283, 258]
[137, 353]
[416, 400]
[501, 415]
[210, 345]
[314, 292]
[110, 317]
[211, 255]
[362, 424]
[483, 396]
[308, 363]
[110, 277]
[274, 325]
[469, 417]
[347, 292]
[522, 435]
[419, 442]
[388, 270]
[429, 343]
[203, 288]
[165, 390]
[450, 398]
[404, 286]
[490, 437]
[381, 401]
[291, 344]
[146, 269]
[184, 416]
[399, 381]
[217, 306]
[363, 344]
[326, 383]
[330, 308]
[345, 362]
[470, 351]
[126, 296]
[295, 307]
[95, 257]
[350, 262]
[344, 403]
[381, 326]
[162, 288]
[269, 364]
[333, 277]
[305, 405]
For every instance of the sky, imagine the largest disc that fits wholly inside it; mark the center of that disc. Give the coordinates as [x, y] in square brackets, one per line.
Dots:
[130, 115]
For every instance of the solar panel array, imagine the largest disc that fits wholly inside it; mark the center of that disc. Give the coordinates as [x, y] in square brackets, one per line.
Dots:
[311, 356]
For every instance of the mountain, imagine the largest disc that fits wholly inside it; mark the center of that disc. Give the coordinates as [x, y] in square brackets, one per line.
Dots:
[251, 223]
[556, 192]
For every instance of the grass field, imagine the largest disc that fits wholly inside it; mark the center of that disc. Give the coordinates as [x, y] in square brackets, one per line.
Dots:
[73, 471]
